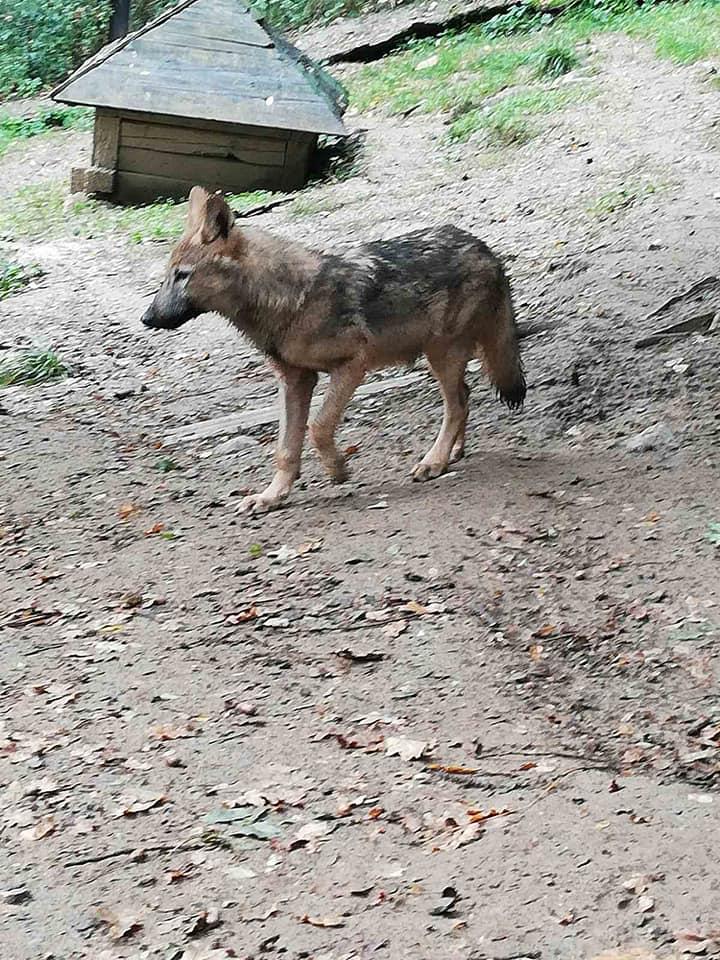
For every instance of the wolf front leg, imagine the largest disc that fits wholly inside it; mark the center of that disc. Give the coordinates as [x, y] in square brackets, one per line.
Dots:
[296, 388]
[344, 381]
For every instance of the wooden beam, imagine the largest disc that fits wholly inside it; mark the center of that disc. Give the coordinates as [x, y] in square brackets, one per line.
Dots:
[106, 139]
[92, 180]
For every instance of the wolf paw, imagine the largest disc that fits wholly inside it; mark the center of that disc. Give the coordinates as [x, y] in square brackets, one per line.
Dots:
[340, 472]
[428, 471]
[258, 503]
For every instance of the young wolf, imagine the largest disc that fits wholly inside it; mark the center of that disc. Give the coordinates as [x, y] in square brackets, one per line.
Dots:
[438, 291]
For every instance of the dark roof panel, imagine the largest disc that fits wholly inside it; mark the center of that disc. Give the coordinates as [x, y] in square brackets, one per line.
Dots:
[210, 60]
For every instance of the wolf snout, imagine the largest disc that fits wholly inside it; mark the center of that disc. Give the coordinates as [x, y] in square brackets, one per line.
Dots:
[148, 318]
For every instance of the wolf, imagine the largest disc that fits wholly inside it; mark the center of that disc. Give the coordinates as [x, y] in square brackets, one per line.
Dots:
[439, 291]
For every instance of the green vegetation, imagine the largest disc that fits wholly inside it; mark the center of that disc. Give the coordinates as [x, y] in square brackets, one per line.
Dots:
[43, 210]
[41, 41]
[507, 121]
[457, 73]
[554, 61]
[33, 367]
[51, 118]
[612, 202]
[712, 534]
[14, 277]
[296, 13]
[309, 205]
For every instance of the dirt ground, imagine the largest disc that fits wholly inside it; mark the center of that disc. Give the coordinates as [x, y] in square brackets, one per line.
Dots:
[476, 719]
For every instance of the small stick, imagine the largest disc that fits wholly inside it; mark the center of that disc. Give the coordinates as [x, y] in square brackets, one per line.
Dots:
[126, 851]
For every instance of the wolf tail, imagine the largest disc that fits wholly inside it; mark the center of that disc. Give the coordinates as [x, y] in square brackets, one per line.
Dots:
[499, 348]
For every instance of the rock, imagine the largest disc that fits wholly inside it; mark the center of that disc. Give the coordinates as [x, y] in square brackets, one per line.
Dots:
[124, 388]
[654, 437]
[15, 895]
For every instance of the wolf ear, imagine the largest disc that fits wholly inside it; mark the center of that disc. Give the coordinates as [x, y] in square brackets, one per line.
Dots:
[219, 219]
[196, 212]
[209, 215]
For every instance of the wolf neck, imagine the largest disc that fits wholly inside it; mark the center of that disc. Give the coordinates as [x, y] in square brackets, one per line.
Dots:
[262, 292]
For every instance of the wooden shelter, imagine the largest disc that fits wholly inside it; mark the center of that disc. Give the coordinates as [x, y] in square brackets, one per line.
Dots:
[207, 93]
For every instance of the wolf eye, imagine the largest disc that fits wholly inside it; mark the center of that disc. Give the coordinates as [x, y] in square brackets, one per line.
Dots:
[182, 273]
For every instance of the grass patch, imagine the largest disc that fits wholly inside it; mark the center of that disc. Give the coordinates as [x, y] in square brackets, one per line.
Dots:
[681, 32]
[455, 73]
[42, 210]
[33, 367]
[50, 118]
[555, 60]
[309, 206]
[509, 120]
[14, 277]
[614, 201]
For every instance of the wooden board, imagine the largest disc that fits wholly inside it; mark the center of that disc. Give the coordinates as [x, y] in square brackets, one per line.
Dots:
[157, 175]
[197, 143]
[200, 169]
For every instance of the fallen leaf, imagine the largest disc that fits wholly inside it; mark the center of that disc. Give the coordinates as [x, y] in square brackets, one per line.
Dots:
[120, 924]
[360, 656]
[43, 828]
[314, 830]
[451, 769]
[412, 606]
[155, 529]
[133, 764]
[167, 731]
[250, 614]
[205, 920]
[244, 822]
[480, 816]
[393, 630]
[132, 804]
[405, 748]
[127, 510]
[312, 546]
[448, 898]
[322, 921]
[262, 917]
[461, 838]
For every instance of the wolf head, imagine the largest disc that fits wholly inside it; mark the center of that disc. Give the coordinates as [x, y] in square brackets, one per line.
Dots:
[184, 293]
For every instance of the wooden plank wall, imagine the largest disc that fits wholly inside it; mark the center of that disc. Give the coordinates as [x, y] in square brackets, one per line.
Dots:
[165, 159]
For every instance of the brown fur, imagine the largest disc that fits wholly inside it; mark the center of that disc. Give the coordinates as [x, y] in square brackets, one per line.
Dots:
[441, 293]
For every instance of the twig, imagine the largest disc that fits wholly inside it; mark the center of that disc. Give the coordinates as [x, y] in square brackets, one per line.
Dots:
[607, 765]
[262, 207]
[551, 786]
[126, 851]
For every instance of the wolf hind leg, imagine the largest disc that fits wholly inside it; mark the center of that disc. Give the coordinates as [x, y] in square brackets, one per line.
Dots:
[449, 371]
